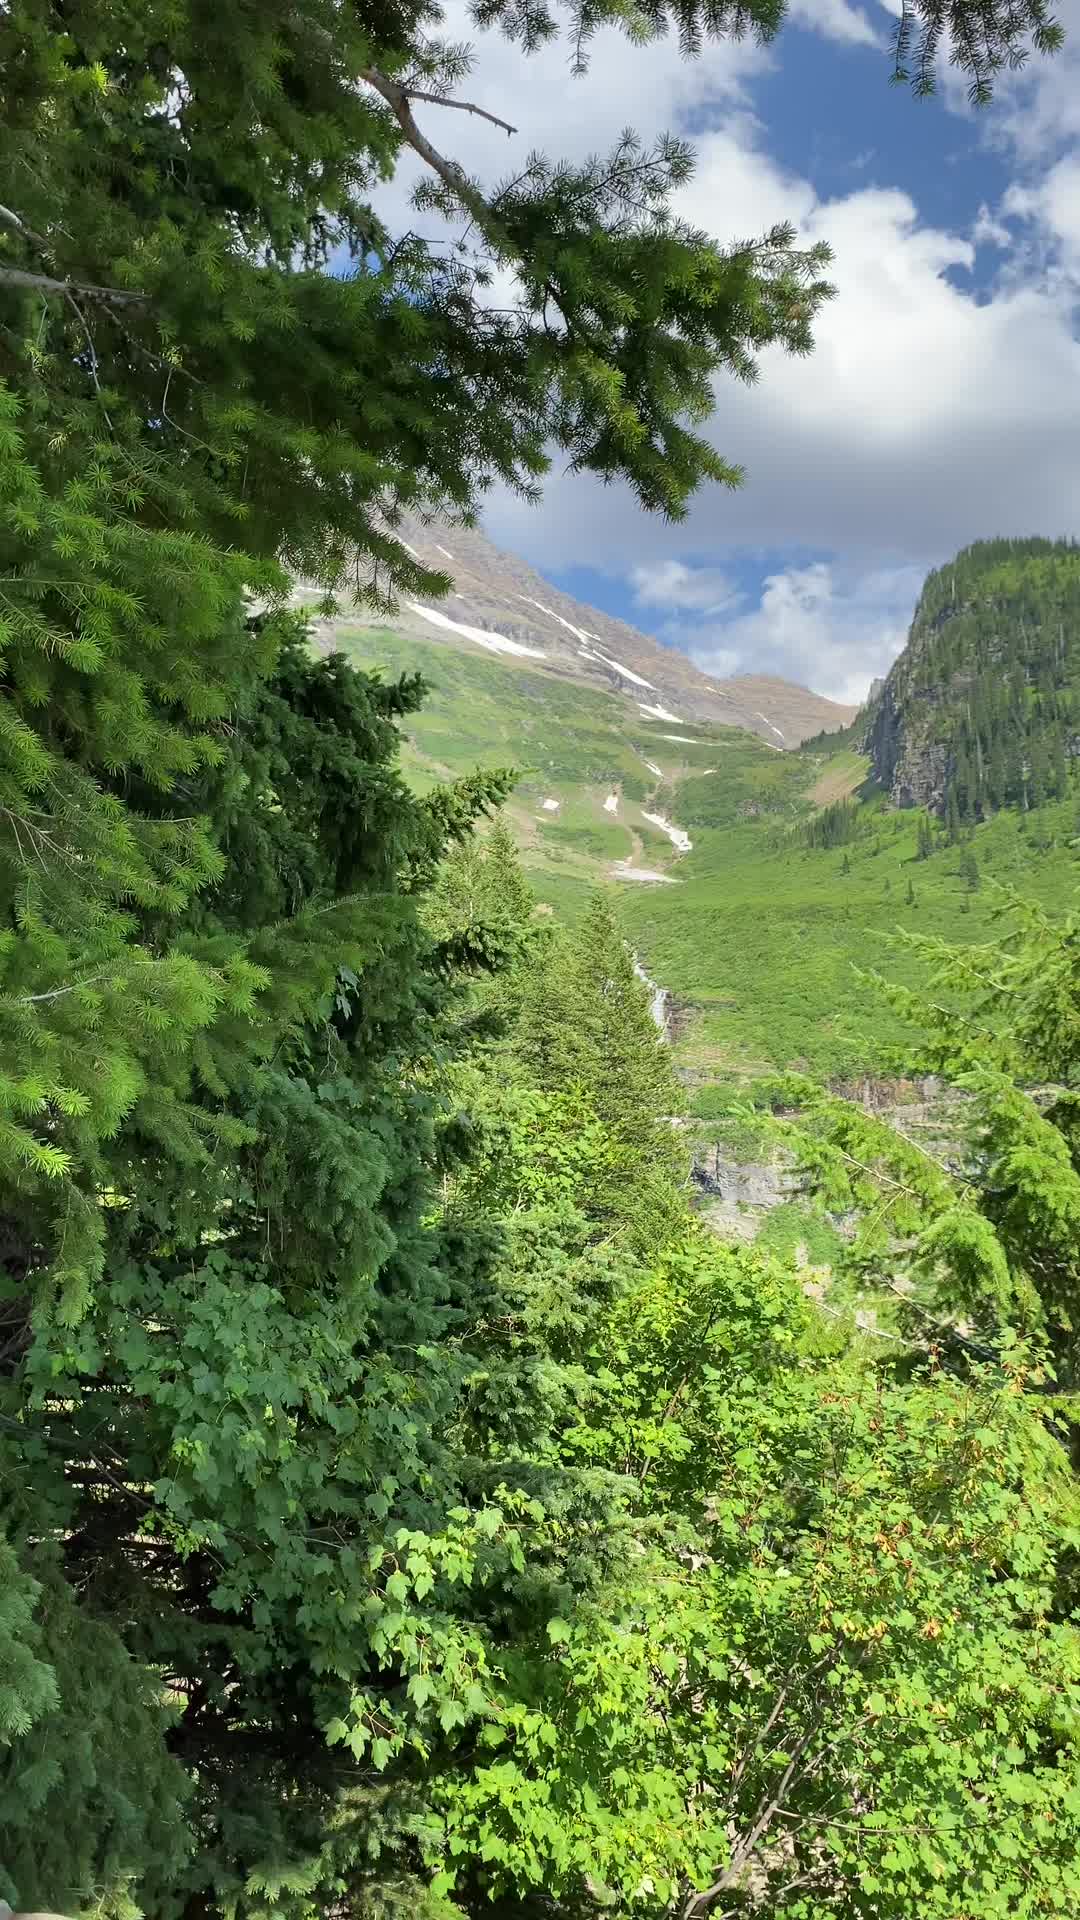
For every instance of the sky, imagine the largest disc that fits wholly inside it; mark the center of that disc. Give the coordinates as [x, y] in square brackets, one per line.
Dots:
[942, 401]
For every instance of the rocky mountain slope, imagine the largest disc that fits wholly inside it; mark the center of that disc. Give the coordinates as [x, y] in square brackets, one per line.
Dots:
[981, 710]
[502, 606]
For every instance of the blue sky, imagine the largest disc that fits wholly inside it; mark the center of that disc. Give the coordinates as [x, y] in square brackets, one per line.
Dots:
[942, 401]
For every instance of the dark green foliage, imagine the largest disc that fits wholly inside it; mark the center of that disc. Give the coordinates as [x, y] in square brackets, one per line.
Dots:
[991, 676]
[836, 825]
[89, 1796]
[586, 1023]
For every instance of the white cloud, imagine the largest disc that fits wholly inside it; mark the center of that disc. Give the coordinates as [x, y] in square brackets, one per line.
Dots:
[836, 20]
[930, 414]
[927, 416]
[812, 621]
[989, 231]
[672, 584]
[1037, 108]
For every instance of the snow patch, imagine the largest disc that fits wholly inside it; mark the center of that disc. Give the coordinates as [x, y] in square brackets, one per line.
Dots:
[550, 806]
[413, 551]
[678, 836]
[764, 716]
[447, 555]
[653, 768]
[622, 870]
[552, 615]
[611, 804]
[627, 672]
[657, 713]
[687, 742]
[494, 642]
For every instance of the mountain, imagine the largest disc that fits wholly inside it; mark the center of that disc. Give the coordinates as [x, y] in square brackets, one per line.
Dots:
[503, 607]
[982, 709]
[753, 882]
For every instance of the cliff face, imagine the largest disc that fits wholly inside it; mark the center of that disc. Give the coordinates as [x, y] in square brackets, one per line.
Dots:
[980, 709]
[905, 756]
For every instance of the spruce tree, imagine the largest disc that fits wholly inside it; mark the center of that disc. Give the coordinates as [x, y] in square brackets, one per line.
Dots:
[587, 1023]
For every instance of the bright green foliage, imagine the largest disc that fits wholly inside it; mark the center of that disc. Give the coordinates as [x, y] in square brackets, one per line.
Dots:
[381, 1525]
[206, 1440]
[811, 1680]
[988, 1225]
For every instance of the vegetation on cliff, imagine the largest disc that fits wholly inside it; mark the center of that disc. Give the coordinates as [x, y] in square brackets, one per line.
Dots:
[982, 710]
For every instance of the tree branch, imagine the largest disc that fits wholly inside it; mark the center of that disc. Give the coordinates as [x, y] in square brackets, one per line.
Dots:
[45, 283]
[450, 173]
[15, 220]
[460, 106]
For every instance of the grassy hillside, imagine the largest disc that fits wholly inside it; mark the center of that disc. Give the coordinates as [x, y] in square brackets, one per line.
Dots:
[756, 931]
[763, 933]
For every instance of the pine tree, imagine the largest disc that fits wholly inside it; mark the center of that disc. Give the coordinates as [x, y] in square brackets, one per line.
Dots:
[587, 1023]
[845, 864]
[925, 845]
[909, 897]
[969, 870]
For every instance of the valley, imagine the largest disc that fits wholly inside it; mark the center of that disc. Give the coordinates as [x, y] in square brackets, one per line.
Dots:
[756, 887]
[751, 924]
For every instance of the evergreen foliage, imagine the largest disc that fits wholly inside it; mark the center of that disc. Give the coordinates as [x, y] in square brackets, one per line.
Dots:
[405, 1505]
[984, 1233]
[991, 676]
[586, 1023]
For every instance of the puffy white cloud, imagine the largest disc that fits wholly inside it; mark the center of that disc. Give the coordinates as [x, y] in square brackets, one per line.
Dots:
[813, 621]
[837, 21]
[931, 411]
[671, 584]
[927, 416]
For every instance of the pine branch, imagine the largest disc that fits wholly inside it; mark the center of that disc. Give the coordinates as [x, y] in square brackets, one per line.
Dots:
[15, 220]
[452, 175]
[47, 283]
[461, 106]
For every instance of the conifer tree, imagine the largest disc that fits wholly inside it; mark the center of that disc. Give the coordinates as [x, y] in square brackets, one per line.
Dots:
[587, 1023]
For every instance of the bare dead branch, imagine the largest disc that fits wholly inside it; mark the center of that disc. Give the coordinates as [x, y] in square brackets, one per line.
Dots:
[15, 220]
[46, 283]
[449, 172]
[460, 106]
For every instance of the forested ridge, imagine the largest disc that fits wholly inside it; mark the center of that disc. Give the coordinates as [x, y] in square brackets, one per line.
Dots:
[406, 1504]
[987, 688]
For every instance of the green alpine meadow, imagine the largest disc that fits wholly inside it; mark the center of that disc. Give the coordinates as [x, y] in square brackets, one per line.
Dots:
[425, 1492]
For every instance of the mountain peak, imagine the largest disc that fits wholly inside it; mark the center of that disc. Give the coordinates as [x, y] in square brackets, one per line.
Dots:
[503, 606]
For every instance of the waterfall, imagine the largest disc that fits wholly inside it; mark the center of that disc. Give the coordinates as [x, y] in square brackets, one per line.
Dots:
[658, 998]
